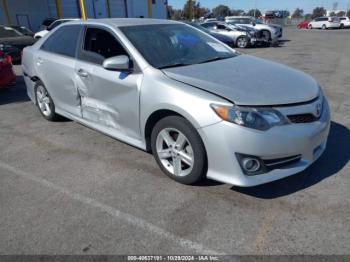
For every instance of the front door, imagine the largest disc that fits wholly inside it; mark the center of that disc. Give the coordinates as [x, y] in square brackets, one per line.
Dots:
[109, 99]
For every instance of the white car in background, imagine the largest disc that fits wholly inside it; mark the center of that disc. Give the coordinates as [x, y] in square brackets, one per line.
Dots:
[42, 33]
[270, 32]
[325, 23]
[344, 21]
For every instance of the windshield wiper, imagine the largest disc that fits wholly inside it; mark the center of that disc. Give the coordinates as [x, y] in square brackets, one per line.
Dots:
[173, 65]
[214, 59]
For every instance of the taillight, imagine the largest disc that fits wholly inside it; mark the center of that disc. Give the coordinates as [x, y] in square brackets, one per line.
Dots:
[5, 60]
[8, 60]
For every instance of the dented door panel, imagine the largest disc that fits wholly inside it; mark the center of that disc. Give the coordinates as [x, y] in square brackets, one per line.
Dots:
[109, 98]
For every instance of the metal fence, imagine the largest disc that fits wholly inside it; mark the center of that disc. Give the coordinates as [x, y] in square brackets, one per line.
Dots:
[284, 21]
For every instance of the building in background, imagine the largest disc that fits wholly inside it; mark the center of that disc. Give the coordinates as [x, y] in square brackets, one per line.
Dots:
[31, 13]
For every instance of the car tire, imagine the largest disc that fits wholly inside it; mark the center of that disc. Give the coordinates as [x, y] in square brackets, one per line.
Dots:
[341, 26]
[242, 42]
[324, 27]
[44, 102]
[267, 35]
[179, 150]
[310, 26]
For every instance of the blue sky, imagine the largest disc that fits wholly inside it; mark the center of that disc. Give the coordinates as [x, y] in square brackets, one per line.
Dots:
[263, 5]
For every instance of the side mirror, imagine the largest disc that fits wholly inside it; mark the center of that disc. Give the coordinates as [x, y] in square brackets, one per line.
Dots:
[117, 63]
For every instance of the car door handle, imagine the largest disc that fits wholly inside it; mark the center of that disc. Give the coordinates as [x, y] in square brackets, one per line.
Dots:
[82, 73]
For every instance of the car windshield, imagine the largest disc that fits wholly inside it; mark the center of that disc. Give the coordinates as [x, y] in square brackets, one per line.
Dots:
[173, 45]
[9, 32]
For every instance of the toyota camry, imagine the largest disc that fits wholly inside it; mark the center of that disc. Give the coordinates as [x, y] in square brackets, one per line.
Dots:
[201, 108]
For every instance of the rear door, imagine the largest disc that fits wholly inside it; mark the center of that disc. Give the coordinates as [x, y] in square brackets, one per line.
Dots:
[109, 99]
[55, 61]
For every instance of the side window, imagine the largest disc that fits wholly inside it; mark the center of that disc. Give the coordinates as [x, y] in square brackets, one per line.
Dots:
[63, 41]
[101, 43]
[221, 27]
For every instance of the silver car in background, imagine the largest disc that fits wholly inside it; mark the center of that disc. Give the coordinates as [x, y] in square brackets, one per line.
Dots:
[271, 32]
[242, 38]
[200, 107]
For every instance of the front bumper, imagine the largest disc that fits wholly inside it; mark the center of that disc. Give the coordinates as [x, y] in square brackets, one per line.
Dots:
[223, 140]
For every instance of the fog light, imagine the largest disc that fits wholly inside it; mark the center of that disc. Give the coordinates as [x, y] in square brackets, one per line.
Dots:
[251, 164]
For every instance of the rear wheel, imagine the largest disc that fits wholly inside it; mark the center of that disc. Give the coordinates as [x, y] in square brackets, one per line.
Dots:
[341, 26]
[179, 150]
[44, 102]
[242, 42]
[324, 27]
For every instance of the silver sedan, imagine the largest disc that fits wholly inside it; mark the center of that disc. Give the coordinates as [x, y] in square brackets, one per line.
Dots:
[200, 107]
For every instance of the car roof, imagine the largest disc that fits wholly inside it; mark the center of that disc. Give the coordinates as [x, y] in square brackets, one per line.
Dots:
[118, 22]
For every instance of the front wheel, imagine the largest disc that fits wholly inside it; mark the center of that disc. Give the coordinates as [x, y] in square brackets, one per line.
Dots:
[266, 35]
[179, 150]
[242, 42]
[324, 27]
[310, 26]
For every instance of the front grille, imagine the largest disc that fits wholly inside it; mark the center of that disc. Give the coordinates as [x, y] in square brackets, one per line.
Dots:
[302, 118]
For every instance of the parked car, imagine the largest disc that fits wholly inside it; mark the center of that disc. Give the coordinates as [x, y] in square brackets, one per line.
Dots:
[303, 25]
[241, 38]
[56, 23]
[23, 30]
[201, 108]
[271, 32]
[253, 32]
[344, 22]
[325, 23]
[225, 39]
[7, 75]
[12, 42]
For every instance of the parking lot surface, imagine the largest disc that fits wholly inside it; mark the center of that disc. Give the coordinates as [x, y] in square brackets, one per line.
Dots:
[67, 189]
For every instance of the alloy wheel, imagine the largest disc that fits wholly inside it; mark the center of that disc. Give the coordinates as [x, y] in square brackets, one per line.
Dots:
[43, 100]
[175, 152]
[242, 42]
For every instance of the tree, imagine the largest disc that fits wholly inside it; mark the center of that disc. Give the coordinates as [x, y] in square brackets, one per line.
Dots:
[254, 11]
[174, 14]
[237, 12]
[188, 9]
[308, 17]
[318, 11]
[348, 13]
[332, 13]
[298, 13]
[221, 10]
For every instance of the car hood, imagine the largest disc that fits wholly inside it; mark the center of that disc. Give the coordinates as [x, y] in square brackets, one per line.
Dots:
[19, 41]
[247, 80]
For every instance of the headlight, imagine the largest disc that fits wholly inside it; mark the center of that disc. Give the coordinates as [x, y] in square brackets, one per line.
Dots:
[256, 118]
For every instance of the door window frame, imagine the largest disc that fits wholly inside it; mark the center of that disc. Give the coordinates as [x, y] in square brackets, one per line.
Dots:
[81, 50]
